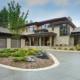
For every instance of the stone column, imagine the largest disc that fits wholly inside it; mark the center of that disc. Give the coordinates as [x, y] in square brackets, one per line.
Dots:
[50, 40]
[72, 41]
[8, 42]
[39, 41]
[29, 41]
[22, 43]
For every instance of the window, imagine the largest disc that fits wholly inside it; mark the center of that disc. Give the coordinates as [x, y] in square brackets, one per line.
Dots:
[50, 25]
[31, 28]
[47, 25]
[43, 26]
[63, 30]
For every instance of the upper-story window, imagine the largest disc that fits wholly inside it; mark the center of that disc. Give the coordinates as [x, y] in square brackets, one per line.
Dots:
[43, 26]
[47, 25]
[63, 30]
[31, 28]
[50, 25]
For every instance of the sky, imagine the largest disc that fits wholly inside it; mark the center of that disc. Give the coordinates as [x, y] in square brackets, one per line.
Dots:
[40, 10]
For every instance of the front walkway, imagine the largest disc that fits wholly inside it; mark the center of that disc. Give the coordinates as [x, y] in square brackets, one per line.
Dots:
[69, 69]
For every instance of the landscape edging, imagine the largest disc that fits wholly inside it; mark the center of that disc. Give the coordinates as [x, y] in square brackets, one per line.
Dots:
[56, 63]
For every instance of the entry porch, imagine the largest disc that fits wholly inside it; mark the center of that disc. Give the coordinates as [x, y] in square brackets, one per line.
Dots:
[40, 40]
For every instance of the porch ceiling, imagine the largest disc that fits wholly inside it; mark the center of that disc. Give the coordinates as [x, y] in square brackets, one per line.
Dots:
[42, 34]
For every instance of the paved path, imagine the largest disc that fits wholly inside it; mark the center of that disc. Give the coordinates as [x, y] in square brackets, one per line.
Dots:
[69, 69]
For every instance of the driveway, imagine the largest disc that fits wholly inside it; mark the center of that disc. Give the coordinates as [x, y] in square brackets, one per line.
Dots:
[69, 69]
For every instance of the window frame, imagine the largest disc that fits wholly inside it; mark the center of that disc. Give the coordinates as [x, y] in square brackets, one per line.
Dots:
[63, 28]
[31, 27]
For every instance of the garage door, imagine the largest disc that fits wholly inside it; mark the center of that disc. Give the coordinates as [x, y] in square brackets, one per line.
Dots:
[3, 43]
[14, 43]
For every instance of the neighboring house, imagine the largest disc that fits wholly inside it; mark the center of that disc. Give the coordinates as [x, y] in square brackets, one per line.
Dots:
[54, 32]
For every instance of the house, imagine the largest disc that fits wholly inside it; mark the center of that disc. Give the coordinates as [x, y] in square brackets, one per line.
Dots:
[53, 32]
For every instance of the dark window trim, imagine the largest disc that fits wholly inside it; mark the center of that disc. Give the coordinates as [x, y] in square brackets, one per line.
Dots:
[64, 28]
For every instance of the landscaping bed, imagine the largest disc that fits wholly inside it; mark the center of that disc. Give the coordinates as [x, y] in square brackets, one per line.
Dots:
[19, 59]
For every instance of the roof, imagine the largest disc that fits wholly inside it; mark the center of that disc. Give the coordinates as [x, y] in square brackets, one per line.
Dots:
[55, 20]
[4, 30]
[41, 34]
[77, 29]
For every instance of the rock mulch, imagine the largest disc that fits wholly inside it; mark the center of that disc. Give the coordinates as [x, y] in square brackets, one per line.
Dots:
[39, 63]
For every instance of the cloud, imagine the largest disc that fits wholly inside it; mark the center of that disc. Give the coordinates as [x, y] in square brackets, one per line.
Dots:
[36, 2]
[17, 0]
[42, 2]
[60, 1]
[60, 13]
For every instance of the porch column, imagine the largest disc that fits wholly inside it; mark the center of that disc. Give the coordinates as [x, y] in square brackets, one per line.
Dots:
[29, 41]
[72, 41]
[39, 41]
[50, 40]
[22, 43]
[8, 42]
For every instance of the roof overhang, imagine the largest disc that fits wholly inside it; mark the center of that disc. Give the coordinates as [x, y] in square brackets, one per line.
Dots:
[41, 34]
[56, 21]
[75, 34]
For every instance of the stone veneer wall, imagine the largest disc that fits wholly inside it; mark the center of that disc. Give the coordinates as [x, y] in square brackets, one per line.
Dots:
[64, 40]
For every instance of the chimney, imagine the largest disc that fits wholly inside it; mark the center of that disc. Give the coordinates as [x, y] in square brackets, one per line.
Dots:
[69, 18]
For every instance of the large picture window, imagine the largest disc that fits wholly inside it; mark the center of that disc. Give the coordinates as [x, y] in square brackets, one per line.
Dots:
[63, 30]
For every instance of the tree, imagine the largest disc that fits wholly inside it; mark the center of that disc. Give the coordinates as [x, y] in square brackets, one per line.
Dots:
[16, 19]
[4, 18]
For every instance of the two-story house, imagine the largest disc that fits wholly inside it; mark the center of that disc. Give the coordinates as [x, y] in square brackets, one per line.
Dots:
[54, 32]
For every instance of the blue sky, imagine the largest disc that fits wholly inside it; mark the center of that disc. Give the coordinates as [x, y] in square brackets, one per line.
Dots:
[40, 10]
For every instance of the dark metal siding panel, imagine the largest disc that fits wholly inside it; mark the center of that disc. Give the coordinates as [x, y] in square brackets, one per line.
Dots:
[14, 43]
[3, 42]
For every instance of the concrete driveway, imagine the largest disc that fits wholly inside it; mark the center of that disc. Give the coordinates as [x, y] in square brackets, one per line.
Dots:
[69, 69]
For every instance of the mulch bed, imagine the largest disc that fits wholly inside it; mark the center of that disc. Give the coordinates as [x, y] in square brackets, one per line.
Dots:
[39, 63]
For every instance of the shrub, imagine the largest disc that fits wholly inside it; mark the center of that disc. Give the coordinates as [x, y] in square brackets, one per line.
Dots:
[5, 54]
[78, 48]
[19, 59]
[6, 51]
[14, 50]
[71, 49]
[22, 50]
[54, 48]
[59, 48]
[60, 44]
[18, 54]
[65, 49]
[56, 45]
[31, 52]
